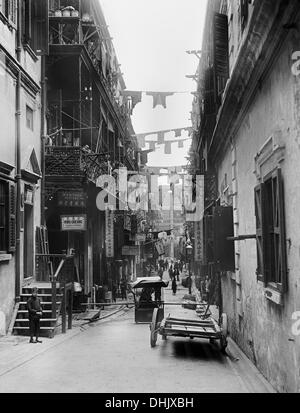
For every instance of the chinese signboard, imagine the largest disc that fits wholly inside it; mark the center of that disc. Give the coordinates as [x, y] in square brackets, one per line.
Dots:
[199, 241]
[109, 233]
[140, 237]
[130, 250]
[160, 248]
[73, 222]
[72, 199]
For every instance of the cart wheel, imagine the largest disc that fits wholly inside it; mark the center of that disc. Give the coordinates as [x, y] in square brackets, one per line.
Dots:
[224, 329]
[153, 328]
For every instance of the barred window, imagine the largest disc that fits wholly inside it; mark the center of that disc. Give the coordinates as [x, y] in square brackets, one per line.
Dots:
[9, 9]
[7, 217]
[270, 232]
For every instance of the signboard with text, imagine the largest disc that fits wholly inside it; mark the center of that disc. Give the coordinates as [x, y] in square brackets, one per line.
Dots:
[72, 199]
[130, 250]
[199, 241]
[73, 222]
[109, 233]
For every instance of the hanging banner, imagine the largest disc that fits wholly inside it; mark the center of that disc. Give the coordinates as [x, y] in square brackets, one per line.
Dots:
[160, 248]
[109, 233]
[198, 247]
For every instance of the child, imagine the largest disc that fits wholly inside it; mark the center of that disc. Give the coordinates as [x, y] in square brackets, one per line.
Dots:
[35, 313]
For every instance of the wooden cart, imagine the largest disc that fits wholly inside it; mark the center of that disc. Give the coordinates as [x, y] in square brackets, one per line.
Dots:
[206, 328]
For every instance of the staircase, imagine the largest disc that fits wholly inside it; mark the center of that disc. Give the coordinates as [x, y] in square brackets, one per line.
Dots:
[48, 325]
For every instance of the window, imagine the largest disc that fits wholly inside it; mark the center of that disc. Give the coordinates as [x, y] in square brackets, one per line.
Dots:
[9, 9]
[270, 232]
[7, 217]
[35, 26]
[221, 51]
[244, 7]
[3, 207]
[29, 117]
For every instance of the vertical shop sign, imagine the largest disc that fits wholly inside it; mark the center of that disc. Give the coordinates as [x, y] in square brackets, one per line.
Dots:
[109, 233]
[199, 241]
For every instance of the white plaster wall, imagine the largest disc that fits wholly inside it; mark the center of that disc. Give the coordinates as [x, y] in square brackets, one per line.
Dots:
[265, 330]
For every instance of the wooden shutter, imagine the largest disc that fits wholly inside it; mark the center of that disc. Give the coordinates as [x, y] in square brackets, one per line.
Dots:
[26, 21]
[42, 26]
[223, 228]
[279, 232]
[11, 219]
[221, 48]
[244, 12]
[11, 10]
[259, 197]
[209, 92]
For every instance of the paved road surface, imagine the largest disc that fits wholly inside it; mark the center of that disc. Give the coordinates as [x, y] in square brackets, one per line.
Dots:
[115, 356]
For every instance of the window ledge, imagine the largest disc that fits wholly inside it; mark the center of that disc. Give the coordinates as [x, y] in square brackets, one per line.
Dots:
[30, 52]
[5, 20]
[5, 257]
[274, 295]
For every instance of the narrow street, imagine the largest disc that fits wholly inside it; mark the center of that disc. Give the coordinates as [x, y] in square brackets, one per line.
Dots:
[115, 356]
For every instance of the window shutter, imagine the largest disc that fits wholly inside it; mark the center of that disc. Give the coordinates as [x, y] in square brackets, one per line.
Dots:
[259, 196]
[224, 252]
[42, 26]
[12, 11]
[221, 48]
[280, 233]
[12, 219]
[244, 12]
[26, 20]
[209, 92]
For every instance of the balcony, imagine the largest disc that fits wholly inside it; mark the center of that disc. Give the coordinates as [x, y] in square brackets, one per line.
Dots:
[68, 163]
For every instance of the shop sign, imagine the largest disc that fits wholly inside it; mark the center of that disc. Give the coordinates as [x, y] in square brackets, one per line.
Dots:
[73, 222]
[109, 233]
[140, 237]
[199, 241]
[160, 248]
[72, 199]
[130, 250]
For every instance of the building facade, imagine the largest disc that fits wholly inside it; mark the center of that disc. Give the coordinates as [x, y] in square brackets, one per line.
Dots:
[248, 146]
[89, 135]
[22, 43]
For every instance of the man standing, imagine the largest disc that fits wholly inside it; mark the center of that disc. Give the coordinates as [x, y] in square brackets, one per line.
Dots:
[35, 313]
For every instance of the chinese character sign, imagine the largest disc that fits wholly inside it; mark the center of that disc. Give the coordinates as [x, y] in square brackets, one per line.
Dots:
[199, 241]
[109, 233]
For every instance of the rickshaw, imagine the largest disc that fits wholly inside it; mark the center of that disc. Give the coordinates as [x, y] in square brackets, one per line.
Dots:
[147, 293]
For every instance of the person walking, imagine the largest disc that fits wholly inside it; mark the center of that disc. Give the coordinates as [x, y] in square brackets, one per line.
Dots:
[174, 285]
[176, 273]
[171, 273]
[35, 313]
[114, 291]
[123, 288]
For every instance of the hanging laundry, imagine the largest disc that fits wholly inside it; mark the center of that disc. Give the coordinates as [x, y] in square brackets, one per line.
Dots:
[160, 138]
[180, 144]
[177, 133]
[168, 148]
[136, 97]
[141, 140]
[159, 98]
[151, 145]
[189, 130]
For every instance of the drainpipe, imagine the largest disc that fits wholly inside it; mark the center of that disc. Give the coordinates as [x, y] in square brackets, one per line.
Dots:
[18, 159]
[43, 135]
